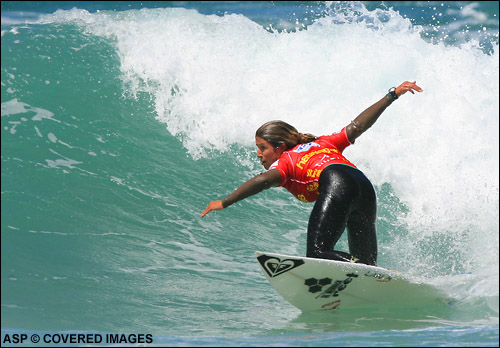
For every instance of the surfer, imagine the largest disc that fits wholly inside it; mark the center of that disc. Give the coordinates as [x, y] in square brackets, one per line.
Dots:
[314, 170]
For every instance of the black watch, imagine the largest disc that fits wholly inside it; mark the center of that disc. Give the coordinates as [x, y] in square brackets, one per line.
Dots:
[392, 94]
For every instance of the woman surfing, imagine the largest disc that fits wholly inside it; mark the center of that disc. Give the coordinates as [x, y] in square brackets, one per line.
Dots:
[314, 169]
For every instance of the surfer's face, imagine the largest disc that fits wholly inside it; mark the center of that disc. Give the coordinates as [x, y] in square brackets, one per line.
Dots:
[267, 153]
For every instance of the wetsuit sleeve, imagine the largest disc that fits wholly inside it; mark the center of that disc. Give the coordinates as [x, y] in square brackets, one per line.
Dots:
[366, 119]
[253, 186]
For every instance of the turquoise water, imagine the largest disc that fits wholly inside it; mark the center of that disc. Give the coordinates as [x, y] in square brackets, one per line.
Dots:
[119, 125]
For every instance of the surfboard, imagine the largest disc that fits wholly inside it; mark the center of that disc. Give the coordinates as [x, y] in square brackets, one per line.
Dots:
[317, 284]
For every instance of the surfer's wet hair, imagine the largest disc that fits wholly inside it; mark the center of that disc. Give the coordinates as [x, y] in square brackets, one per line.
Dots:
[279, 132]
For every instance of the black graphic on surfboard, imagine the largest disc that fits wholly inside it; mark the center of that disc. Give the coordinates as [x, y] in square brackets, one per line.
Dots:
[275, 266]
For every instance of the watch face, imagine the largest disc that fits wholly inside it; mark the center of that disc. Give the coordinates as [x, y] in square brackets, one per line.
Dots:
[392, 92]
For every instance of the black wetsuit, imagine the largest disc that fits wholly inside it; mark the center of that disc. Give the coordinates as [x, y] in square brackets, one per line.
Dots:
[346, 199]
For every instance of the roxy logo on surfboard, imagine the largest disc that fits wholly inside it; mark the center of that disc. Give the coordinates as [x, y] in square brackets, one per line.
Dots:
[275, 266]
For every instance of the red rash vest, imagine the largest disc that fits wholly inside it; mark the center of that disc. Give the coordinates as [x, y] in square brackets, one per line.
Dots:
[301, 166]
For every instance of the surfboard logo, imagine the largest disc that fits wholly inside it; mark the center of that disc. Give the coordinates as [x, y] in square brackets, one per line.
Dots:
[332, 287]
[275, 266]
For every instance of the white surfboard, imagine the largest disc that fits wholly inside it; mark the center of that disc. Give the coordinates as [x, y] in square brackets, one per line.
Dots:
[317, 284]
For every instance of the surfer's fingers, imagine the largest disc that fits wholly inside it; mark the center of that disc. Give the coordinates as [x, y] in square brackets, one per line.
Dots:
[206, 211]
[408, 86]
[214, 205]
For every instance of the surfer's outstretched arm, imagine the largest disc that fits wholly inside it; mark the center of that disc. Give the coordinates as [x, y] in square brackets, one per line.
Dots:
[367, 118]
[253, 186]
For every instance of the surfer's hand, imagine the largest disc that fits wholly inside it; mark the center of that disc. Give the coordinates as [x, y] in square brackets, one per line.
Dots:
[407, 86]
[214, 205]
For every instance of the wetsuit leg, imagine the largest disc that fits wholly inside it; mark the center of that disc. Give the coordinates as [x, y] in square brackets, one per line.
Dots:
[346, 199]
